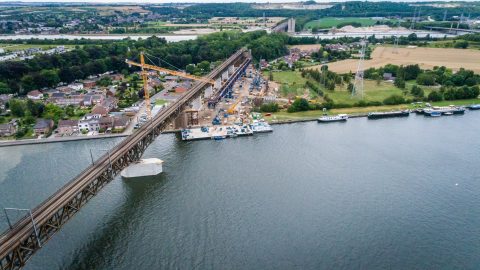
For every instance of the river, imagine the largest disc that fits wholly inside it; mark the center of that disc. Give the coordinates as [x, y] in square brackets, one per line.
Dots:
[398, 193]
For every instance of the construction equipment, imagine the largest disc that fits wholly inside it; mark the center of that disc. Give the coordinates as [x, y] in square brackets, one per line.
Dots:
[231, 110]
[144, 73]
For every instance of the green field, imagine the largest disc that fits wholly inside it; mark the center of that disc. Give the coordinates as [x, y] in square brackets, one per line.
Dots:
[333, 22]
[293, 84]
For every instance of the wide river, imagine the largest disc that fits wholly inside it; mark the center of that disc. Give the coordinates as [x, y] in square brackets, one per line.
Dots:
[398, 193]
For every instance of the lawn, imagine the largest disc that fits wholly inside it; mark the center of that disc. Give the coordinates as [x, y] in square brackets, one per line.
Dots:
[333, 22]
[372, 92]
[294, 83]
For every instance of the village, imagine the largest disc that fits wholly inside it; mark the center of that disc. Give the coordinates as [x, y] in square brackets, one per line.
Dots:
[104, 104]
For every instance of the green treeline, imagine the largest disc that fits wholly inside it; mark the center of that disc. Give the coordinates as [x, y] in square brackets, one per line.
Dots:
[91, 59]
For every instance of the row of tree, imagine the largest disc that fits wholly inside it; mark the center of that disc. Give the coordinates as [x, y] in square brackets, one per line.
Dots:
[92, 59]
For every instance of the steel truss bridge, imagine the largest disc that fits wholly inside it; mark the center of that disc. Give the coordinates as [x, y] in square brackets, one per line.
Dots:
[29, 234]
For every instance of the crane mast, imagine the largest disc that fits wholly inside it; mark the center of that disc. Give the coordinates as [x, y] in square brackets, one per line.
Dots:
[144, 74]
[146, 92]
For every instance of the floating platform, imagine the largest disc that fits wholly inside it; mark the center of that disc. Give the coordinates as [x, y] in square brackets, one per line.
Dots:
[144, 167]
[222, 132]
[438, 111]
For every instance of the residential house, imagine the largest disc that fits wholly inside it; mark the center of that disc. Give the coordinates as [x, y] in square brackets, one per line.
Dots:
[8, 129]
[264, 64]
[76, 86]
[388, 76]
[121, 123]
[89, 116]
[110, 103]
[87, 100]
[65, 89]
[100, 109]
[67, 127]
[34, 95]
[89, 84]
[106, 123]
[43, 126]
[97, 99]
[117, 77]
[87, 125]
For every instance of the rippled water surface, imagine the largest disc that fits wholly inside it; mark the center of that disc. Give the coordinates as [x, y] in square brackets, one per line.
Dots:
[385, 194]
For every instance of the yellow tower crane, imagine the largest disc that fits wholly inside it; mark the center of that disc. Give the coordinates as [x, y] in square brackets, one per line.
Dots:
[144, 73]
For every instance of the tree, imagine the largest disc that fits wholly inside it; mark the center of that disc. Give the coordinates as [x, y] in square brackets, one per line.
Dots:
[417, 91]
[35, 108]
[426, 79]
[394, 100]
[4, 89]
[17, 107]
[50, 78]
[399, 82]
[462, 44]
[104, 81]
[435, 96]
[299, 105]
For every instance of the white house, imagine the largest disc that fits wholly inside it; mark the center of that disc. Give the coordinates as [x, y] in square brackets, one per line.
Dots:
[89, 125]
[76, 86]
[35, 95]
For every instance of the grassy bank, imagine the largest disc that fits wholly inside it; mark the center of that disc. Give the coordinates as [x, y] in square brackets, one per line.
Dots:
[308, 115]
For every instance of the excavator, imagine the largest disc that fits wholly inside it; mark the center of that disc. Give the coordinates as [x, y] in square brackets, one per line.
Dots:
[144, 73]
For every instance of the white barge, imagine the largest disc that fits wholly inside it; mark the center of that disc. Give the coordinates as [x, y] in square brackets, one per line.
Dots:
[144, 167]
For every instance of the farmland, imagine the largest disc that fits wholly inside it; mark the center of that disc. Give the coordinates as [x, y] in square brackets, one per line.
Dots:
[427, 58]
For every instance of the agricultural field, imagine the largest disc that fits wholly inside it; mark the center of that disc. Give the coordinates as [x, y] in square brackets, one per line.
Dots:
[334, 22]
[427, 58]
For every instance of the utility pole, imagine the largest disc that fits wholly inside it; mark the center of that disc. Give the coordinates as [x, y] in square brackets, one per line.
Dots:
[412, 23]
[358, 84]
[445, 15]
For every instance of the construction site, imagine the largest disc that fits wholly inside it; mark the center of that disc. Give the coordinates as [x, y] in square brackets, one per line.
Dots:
[224, 109]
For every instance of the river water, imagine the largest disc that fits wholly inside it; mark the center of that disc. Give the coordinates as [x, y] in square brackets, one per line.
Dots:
[367, 194]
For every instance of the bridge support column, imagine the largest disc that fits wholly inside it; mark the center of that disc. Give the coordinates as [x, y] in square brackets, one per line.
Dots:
[218, 83]
[209, 91]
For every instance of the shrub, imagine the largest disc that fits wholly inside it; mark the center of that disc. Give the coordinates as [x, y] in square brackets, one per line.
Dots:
[299, 105]
[269, 107]
[394, 100]
[435, 96]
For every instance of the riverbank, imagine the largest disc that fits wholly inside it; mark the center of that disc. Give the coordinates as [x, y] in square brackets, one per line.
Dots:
[284, 117]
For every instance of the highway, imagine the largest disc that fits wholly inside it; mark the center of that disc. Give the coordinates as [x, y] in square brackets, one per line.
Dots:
[13, 256]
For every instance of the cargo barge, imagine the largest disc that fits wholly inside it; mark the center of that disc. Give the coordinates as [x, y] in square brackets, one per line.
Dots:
[379, 115]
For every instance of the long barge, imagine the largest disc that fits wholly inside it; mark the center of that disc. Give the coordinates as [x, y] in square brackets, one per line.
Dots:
[379, 115]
